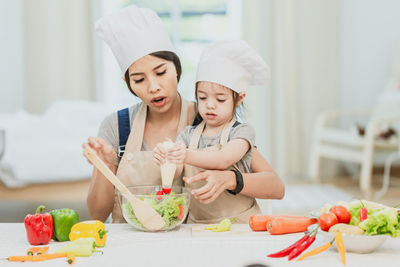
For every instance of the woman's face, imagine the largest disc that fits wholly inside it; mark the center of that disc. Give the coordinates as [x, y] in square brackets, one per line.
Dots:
[154, 80]
[215, 103]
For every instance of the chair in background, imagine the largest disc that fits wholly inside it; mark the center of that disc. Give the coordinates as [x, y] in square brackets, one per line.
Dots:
[345, 145]
[386, 174]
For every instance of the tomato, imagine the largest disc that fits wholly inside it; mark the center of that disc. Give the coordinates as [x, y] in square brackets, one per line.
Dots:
[159, 195]
[181, 212]
[166, 190]
[326, 220]
[342, 214]
[363, 214]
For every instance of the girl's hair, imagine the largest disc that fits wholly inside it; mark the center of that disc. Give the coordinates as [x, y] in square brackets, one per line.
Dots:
[167, 55]
[236, 111]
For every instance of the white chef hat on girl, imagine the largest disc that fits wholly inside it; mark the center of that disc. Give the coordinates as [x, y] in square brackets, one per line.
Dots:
[132, 33]
[233, 64]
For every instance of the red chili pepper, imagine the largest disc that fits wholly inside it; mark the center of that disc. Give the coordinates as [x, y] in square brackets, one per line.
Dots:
[297, 250]
[286, 251]
[363, 214]
[39, 227]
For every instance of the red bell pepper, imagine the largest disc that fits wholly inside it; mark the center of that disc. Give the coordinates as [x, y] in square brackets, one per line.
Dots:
[39, 227]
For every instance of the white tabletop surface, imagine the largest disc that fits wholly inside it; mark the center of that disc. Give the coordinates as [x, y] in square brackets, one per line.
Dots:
[182, 247]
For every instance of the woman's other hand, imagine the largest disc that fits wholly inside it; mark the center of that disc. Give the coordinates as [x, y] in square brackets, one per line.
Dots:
[104, 150]
[159, 154]
[217, 182]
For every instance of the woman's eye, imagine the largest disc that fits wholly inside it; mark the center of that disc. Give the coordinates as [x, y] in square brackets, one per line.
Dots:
[202, 98]
[221, 100]
[161, 73]
[139, 81]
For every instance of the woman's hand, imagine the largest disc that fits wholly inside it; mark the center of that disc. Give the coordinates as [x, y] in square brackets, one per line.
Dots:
[177, 154]
[104, 150]
[159, 154]
[217, 182]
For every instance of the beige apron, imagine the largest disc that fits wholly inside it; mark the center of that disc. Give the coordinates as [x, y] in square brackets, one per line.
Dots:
[137, 168]
[226, 205]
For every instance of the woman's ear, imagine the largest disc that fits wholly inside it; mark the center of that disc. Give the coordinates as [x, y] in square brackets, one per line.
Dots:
[123, 78]
[242, 95]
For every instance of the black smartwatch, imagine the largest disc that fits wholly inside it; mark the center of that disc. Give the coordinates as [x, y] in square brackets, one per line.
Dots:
[239, 183]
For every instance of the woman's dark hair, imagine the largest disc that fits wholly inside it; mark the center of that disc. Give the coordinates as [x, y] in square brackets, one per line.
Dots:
[167, 55]
[237, 111]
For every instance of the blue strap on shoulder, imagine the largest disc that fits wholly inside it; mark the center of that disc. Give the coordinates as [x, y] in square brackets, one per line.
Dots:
[124, 128]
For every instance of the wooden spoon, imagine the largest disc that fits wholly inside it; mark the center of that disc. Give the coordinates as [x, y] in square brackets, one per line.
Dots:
[143, 211]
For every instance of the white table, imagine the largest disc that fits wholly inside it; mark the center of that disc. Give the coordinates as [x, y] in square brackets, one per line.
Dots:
[241, 247]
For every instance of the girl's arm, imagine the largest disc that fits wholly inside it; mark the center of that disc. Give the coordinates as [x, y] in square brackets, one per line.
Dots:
[263, 183]
[231, 153]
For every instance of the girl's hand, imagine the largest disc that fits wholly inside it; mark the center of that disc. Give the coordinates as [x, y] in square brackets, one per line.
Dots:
[104, 150]
[159, 154]
[217, 182]
[177, 154]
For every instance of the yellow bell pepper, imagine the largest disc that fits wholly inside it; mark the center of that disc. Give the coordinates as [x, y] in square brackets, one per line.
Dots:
[95, 229]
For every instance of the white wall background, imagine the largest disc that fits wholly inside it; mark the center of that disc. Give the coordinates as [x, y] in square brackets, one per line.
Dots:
[370, 35]
[11, 55]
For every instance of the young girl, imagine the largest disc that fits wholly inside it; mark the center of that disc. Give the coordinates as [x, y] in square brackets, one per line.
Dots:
[219, 142]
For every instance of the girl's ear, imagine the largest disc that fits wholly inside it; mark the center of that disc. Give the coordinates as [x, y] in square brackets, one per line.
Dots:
[123, 78]
[242, 95]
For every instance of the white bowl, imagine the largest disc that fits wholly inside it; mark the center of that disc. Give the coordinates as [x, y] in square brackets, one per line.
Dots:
[358, 243]
[353, 243]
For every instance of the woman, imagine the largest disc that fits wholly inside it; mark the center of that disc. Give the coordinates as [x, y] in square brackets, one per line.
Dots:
[151, 70]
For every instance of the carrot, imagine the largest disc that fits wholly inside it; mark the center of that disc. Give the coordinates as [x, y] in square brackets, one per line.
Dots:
[279, 226]
[41, 257]
[340, 247]
[316, 251]
[259, 222]
[37, 250]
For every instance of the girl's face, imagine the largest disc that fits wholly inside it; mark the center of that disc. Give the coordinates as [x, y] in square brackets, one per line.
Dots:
[154, 80]
[215, 103]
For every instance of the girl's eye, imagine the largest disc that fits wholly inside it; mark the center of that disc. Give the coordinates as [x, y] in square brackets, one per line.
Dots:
[139, 81]
[161, 73]
[202, 98]
[221, 100]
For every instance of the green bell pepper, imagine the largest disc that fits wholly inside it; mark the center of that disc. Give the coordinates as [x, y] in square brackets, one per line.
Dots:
[63, 220]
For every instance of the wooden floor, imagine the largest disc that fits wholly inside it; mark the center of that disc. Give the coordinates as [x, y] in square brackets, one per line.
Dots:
[16, 203]
[73, 191]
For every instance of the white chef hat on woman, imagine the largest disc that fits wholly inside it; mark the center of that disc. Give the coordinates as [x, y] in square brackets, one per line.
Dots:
[132, 33]
[233, 64]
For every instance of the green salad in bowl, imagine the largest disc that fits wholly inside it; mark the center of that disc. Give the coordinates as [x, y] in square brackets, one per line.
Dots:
[172, 206]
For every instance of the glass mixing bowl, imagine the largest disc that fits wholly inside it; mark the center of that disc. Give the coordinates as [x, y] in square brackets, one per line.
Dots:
[172, 207]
